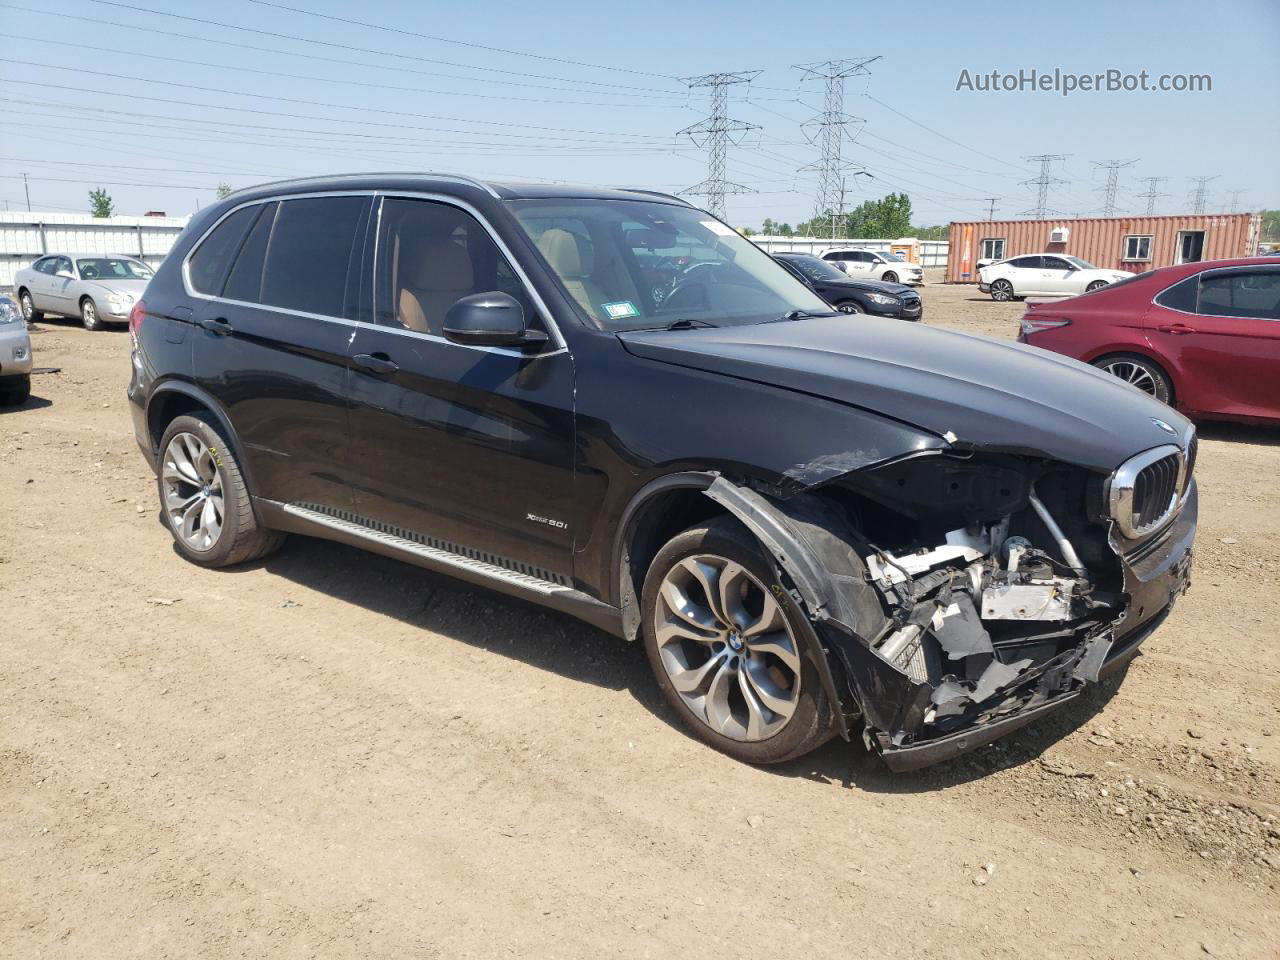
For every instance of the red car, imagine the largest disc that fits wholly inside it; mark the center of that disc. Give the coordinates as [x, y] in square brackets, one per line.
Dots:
[1202, 337]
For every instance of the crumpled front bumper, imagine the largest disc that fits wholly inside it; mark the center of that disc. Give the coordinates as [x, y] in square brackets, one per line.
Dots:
[1155, 576]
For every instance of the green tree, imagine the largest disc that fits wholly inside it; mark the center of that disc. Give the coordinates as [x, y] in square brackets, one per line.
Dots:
[784, 230]
[100, 204]
[223, 190]
[768, 227]
[1270, 225]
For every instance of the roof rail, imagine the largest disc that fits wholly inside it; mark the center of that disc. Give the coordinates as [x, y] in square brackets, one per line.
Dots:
[459, 178]
[659, 193]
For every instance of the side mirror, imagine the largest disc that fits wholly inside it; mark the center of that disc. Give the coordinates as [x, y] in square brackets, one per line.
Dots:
[64, 272]
[493, 319]
[839, 265]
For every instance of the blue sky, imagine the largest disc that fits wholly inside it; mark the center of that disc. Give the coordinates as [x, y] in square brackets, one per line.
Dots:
[589, 92]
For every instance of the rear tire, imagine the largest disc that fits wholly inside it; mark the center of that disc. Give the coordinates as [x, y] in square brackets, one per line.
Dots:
[29, 310]
[1002, 291]
[723, 669]
[89, 314]
[204, 500]
[1146, 375]
[15, 390]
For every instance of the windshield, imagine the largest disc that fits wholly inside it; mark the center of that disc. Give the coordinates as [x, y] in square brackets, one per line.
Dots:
[1082, 264]
[814, 268]
[113, 268]
[896, 257]
[636, 264]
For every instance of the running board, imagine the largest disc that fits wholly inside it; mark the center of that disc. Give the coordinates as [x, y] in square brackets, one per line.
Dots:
[295, 518]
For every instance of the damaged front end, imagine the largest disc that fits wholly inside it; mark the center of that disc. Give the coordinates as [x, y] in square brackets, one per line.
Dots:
[960, 595]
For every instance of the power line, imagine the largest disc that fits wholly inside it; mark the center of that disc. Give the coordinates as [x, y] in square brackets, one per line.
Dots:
[938, 133]
[991, 206]
[1042, 183]
[1201, 193]
[830, 127]
[1113, 168]
[716, 132]
[1152, 193]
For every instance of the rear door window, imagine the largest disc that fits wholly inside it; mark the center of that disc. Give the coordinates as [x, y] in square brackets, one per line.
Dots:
[309, 254]
[1255, 295]
[208, 265]
[1027, 263]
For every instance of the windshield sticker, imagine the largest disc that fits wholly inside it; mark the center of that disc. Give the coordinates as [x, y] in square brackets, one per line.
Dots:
[620, 309]
[716, 227]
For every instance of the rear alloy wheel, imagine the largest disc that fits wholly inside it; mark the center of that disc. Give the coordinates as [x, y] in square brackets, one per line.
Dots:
[89, 314]
[1096, 285]
[848, 306]
[204, 500]
[29, 311]
[728, 650]
[890, 277]
[1002, 290]
[1139, 372]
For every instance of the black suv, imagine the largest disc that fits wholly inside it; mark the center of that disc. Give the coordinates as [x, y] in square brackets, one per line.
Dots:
[848, 295]
[610, 403]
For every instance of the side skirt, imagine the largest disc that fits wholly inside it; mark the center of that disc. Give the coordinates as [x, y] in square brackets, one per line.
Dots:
[295, 518]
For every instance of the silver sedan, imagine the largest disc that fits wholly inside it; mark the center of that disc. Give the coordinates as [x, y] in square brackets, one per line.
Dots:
[98, 288]
[15, 355]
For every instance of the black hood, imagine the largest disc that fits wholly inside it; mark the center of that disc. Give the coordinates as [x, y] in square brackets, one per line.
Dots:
[992, 393]
[871, 286]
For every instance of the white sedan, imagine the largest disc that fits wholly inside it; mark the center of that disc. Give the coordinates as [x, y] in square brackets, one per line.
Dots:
[1044, 275]
[869, 265]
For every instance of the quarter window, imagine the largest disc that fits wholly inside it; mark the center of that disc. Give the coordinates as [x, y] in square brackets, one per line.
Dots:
[208, 266]
[431, 255]
[1181, 296]
[244, 282]
[993, 248]
[1138, 248]
[309, 254]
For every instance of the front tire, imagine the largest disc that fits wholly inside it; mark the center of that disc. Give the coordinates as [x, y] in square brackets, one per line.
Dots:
[849, 306]
[1140, 372]
[1096, 285]
[29, 311]
[204, 499]
[889, 277]
[727, 646]
[1002, 290]
[15, 390]
[89, 314]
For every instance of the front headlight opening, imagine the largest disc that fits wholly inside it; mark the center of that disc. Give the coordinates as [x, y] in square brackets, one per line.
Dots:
[881, 299]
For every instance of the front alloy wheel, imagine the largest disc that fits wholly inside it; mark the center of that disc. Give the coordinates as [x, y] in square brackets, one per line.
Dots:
[89, 314]
[192, 491]
[848, 307]
[728, 650]
[1002, 290]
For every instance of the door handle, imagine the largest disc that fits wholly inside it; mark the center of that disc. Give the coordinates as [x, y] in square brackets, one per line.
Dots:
[1177, 329]
[216, 325]
[378, 363]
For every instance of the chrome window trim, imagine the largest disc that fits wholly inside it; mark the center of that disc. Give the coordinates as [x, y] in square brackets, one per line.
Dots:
[1120, 488]
[557, 339]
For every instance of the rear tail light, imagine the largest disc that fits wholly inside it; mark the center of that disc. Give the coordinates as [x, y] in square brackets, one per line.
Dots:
[135, 318]
[1033, 324]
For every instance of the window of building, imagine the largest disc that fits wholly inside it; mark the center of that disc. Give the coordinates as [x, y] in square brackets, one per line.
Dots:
[993, 248]
[1138, 248]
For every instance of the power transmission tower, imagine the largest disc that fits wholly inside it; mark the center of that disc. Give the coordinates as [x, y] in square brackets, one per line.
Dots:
[1113, 168]
[1152, 193]
[1235, 199]
[1201, 193]
[991, 206]
[828, 128]
[1042, 183]
[715, 133]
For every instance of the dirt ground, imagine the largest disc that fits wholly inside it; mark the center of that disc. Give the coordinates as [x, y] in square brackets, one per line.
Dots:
[334, 755]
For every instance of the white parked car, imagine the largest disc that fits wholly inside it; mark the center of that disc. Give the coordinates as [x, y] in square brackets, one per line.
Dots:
[1043, 275]
[869, 265]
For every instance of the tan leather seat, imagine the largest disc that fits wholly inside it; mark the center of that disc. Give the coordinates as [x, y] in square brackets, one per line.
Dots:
[433, 277]
[572, 257]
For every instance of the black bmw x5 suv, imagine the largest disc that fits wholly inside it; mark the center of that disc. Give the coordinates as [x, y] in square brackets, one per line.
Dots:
[610, 403]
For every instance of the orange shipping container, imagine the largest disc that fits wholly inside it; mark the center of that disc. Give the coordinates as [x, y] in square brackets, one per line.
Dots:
[1135, 244]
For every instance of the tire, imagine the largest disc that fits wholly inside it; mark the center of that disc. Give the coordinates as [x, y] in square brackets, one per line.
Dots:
[89, 314]
[1147, 375]
[15, 390]
[889, 277]
[29, 310]
[684, 656]
[1096, 285]
[1002, 291]
[196, 465]
[849, 306]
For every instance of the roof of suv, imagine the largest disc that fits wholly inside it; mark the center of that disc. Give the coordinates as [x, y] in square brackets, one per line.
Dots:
[498, 190]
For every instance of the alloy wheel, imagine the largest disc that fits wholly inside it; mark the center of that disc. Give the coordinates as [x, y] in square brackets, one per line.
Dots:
[848, 308]
[1002, 290]
[89, 314]
[1132, 373]
[28, 308]
[727, 648]
[192, 491]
